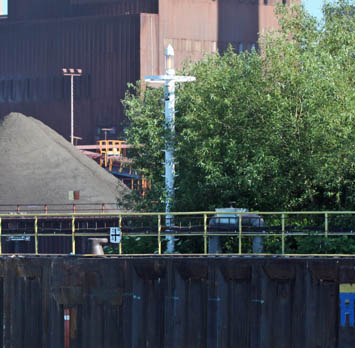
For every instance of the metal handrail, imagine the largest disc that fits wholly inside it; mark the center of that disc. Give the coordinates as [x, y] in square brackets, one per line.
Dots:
[128, 213]
[203, 229]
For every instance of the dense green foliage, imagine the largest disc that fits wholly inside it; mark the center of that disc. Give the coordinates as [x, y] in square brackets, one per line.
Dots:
[270, 130]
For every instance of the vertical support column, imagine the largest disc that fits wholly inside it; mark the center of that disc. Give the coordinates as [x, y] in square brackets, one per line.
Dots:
[72, 109]
[169, 97]
[159, 234]
[120, 226]
[326, 225]
[73, 235]
[205, 244]
[72, 73]
[240, 234]
[283, 234]
[36, 235]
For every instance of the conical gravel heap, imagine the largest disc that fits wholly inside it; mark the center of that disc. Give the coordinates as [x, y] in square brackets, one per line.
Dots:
[38, 166]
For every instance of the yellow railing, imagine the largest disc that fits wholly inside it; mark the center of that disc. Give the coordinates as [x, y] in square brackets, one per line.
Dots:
[111, 147]
[280, 225]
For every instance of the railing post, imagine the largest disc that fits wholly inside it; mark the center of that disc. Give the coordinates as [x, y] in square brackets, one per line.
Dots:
[205, 238]
[326, 225]
[120, 226]
[159, 234]
[240, 234]
[73, 235]
[0, 236]
[283, 234]
[36, 235]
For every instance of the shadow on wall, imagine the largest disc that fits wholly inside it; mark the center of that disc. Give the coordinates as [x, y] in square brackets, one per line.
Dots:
[238, 24]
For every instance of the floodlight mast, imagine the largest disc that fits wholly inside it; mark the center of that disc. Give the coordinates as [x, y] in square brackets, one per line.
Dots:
[72, 73]
[169, 98]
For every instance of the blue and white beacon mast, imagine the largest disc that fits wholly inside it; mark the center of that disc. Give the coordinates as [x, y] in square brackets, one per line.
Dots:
[169, 80]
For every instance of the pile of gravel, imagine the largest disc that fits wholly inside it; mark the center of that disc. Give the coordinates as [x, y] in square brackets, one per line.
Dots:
[38, 166]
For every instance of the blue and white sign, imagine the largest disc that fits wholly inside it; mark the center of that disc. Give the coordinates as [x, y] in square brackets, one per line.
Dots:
[347, 304]
[115, 235]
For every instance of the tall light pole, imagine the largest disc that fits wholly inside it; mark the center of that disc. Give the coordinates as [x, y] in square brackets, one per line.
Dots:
[169, 80]
[72, 73]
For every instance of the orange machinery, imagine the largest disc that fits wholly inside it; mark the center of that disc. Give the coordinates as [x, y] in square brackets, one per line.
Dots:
[112, 154]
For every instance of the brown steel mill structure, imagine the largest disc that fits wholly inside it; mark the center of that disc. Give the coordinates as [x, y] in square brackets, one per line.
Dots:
[114, 42]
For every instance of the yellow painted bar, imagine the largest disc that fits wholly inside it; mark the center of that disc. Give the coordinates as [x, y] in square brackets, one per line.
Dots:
[120, 226]
[349, 288]
[283, 234]
[73, 235]
[0, 236]
[182, 213]
[205, 238]
[240, 234]
[201, 232]
[61, 235]
[201, 254]
[326, 224]
[36, 235]
[159, 234]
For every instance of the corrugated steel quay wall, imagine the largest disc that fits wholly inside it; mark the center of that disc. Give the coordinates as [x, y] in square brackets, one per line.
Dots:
[254, 302]
[31, 62]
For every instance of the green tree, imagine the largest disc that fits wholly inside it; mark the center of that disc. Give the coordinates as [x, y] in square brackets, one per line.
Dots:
[270, 130]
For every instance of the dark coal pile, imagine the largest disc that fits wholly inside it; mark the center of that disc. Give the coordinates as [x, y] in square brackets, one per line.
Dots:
[38, 166]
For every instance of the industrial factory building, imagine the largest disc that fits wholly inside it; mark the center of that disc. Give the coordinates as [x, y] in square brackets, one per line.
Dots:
[114, 42]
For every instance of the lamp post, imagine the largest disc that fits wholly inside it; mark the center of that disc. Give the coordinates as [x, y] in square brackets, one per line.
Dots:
[169, 80]
[105, 130]
[72, 73]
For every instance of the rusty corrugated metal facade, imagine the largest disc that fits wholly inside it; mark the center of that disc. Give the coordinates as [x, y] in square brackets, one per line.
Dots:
[114, 42]
[254, 302]
[44, 9]
[106, 48]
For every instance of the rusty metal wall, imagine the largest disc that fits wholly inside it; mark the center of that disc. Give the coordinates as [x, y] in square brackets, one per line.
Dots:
[149, 46]
[254, 302]
[33, 53]
[44, 9]
[196, 27]
[238, 23]
[241, 22]
[190, 26]
[41, 37]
